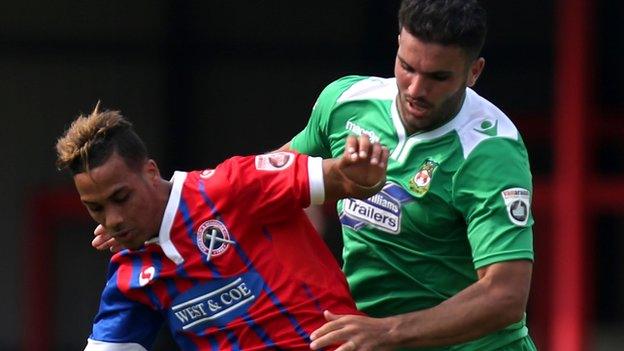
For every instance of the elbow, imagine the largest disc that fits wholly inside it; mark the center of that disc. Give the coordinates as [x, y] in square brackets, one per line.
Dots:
[512, 308]
[507, 285]
[515, 315]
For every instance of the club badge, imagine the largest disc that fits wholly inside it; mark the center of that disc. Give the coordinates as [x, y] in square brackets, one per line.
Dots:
[275, 161]
[213, 238]
[206, 173]
[420, 183]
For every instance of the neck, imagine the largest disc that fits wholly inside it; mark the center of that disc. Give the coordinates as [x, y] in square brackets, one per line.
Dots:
[164, 191]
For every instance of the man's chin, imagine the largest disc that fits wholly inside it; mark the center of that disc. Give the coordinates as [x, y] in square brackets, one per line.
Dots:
[419, 122]
[132, 245]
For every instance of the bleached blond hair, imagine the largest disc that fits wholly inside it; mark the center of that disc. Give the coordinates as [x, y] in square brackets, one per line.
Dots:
[92, 139]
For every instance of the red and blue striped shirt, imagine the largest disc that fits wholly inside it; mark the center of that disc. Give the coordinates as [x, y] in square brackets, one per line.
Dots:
[236, 266]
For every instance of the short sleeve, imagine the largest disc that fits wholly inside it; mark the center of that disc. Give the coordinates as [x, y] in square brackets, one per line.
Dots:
[314, 138]
[493, 191]
[122, 322]
[272, 186]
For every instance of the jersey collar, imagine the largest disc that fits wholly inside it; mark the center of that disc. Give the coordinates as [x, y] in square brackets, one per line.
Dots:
[164, 235]
[405, 143]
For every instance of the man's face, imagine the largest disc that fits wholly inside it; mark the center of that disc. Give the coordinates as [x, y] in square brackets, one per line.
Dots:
[431, 79]
[123, 200]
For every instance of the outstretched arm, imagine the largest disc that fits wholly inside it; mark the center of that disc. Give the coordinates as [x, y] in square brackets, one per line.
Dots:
[360, 173]
[495, 301]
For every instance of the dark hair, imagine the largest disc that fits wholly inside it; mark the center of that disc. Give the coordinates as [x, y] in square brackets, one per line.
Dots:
[446, 22]
[91, 140]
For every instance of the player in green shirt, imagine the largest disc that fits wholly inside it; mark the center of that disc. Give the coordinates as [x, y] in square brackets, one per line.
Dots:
[442, 256]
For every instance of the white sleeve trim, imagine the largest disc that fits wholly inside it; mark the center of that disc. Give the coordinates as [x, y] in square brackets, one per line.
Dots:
[315, 177]
[96, 345]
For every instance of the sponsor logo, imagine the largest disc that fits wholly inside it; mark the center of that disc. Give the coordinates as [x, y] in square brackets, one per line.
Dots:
[357, 130]
[206, 173]
[422, 179]
[487, 127]
[215, 303]
[147, 275]
[518, 203]
[382, 210]
[274, 161]
[213, 238]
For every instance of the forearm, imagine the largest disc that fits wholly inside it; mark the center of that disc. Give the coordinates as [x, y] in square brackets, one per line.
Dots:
[476, 311]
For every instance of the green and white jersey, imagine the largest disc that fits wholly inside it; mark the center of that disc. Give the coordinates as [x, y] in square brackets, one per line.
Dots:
[457, 199]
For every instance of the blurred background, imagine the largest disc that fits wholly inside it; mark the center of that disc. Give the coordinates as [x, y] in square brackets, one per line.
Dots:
[203, 80]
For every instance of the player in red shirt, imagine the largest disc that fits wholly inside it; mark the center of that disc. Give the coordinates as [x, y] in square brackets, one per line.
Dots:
[225, 256]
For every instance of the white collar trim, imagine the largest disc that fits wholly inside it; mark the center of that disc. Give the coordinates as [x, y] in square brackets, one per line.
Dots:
[170, 211]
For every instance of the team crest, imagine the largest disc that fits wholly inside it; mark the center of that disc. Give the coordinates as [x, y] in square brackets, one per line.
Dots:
[213, 238]
[518, 203]
[275, 161]
[422, 180]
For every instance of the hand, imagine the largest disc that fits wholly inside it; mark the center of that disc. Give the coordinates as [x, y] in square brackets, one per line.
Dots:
[364, 163]
[103, 241]
[353, 332]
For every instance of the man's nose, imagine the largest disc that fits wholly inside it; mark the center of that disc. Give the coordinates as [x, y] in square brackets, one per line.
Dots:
[418, 86]
[114, 219]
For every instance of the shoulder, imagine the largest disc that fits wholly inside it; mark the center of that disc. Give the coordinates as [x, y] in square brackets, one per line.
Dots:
[124, 264]
[485, 127]
[355, 88]
[369, 88]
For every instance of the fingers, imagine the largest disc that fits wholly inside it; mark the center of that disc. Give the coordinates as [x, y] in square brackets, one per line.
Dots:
[103, 241]
[330, 316]
[328, 334]
[383, 159]
[332, 335]
[361, 149]
[99, 230]
[352, 332]
[365, 146]
[351, 148]
[325, 328]
[376, 152]
[348, 346]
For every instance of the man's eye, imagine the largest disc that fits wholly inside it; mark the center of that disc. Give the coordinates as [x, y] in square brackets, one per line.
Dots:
[440, 78]
[122, 198]
[95, 208]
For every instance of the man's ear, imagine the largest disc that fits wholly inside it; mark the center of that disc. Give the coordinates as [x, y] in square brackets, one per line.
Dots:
[475, 71]
[151, 171]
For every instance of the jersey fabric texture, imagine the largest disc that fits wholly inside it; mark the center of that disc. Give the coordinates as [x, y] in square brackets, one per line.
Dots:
[236, 266]
[457, 198]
